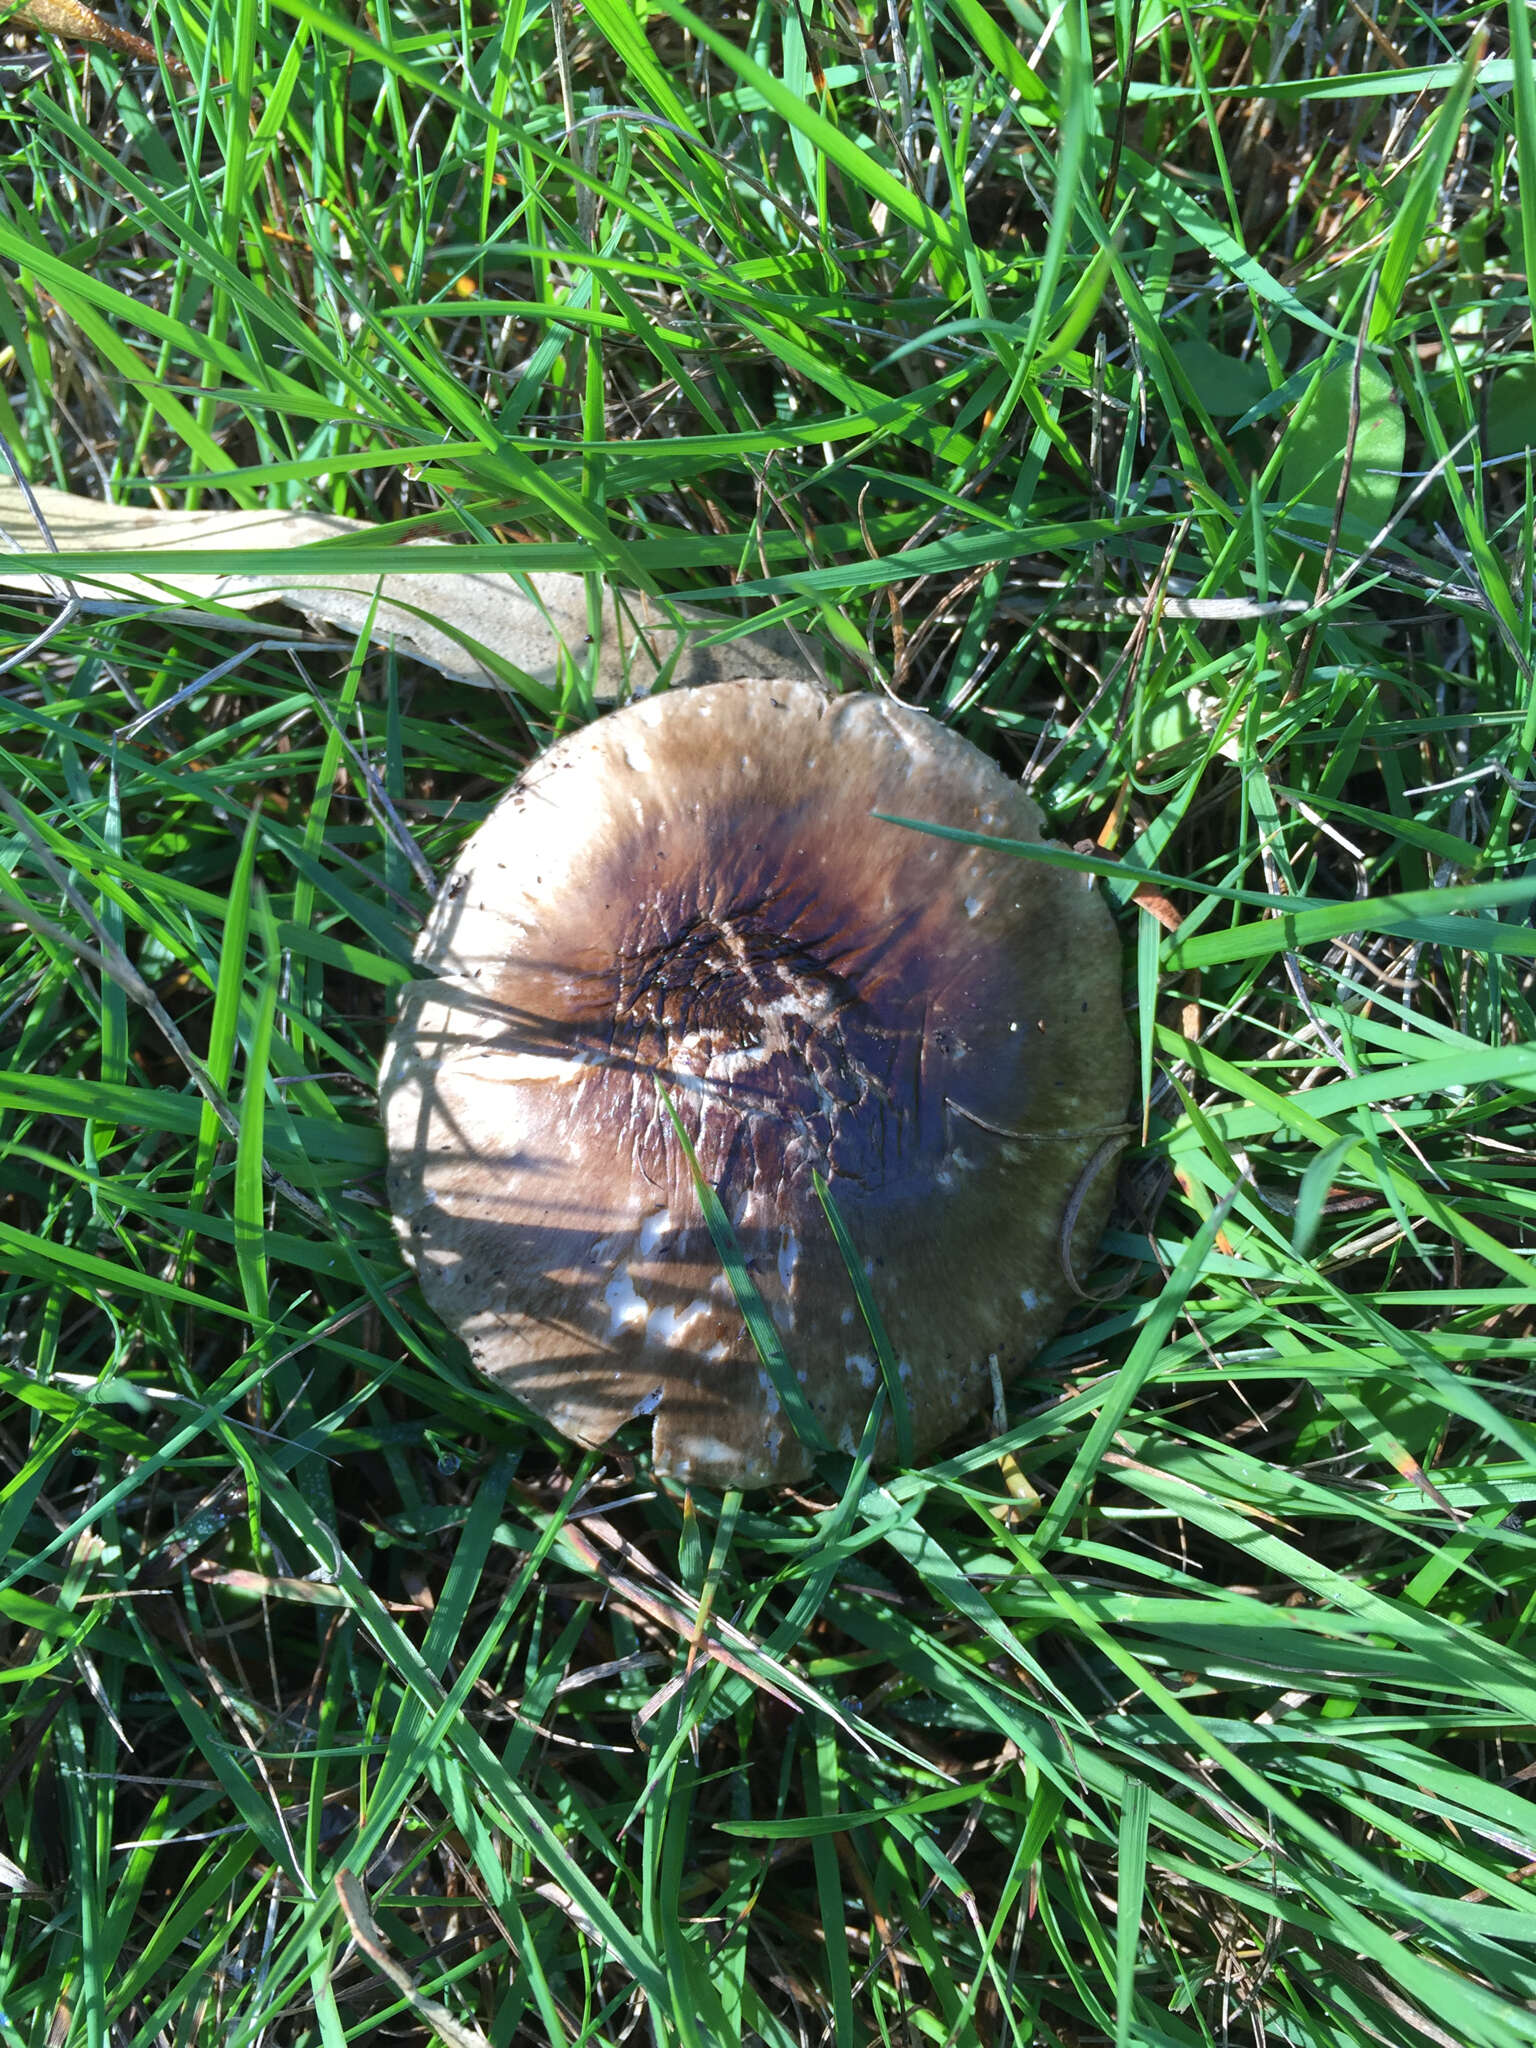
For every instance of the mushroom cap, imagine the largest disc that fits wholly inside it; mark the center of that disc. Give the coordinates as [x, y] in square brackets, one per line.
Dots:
[693, 890]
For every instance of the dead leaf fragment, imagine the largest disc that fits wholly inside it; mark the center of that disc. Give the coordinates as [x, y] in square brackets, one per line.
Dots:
[537, 621]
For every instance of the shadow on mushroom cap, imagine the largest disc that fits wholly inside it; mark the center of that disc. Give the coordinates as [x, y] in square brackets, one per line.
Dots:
[693, 890]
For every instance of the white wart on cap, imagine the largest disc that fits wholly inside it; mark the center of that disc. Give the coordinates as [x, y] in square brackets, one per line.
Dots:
[694, 890]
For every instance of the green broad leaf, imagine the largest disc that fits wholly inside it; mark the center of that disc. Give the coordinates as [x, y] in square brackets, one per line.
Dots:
[1511, 410]
[1174, 723]
[1226, 385]
[1325, 432]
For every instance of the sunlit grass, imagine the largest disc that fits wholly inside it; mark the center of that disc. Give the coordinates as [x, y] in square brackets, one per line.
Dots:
[1164, 420]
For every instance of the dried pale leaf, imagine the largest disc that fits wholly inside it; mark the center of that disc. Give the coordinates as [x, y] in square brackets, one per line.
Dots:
[421, 613]
[14, 1879]
[1329, 449]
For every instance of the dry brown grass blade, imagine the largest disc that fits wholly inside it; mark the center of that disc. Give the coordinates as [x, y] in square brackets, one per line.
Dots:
[668, 1608]
[77, 24]
[371, 1943]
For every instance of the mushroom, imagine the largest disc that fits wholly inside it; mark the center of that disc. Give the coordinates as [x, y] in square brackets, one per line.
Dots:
[694, 892]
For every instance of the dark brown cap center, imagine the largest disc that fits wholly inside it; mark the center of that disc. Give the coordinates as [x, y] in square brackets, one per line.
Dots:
[778, 1064]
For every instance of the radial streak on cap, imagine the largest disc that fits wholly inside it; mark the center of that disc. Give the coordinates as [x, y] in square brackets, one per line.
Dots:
[694, 890]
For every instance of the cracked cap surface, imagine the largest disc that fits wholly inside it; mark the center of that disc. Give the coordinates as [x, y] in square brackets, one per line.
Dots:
[693, 889]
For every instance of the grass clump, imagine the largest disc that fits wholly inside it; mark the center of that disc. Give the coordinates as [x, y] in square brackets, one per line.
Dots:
[1150, 393]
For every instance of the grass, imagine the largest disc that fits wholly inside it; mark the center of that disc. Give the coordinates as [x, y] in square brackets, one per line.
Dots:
[1148, 391]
